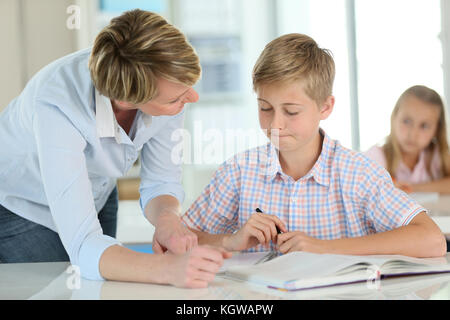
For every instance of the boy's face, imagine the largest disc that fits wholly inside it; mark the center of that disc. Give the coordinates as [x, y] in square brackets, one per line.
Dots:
[288, 116]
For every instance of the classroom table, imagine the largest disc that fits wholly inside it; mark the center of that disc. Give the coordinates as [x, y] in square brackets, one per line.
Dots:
[58, 280]
[439, 211]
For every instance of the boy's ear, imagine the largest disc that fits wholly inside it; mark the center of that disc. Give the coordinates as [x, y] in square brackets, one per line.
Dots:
[327, 107]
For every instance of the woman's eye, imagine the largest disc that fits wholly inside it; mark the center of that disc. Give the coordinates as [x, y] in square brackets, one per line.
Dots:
[291, 113]
[265, 109]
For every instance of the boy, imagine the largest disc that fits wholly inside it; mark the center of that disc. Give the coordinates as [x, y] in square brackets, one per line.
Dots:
[321, 196]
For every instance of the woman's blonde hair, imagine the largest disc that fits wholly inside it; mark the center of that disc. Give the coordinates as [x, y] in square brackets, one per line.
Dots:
[392, 148]
[134, 50]
[294, 57]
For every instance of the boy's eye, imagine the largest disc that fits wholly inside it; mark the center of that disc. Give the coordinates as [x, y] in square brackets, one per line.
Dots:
[291, 113]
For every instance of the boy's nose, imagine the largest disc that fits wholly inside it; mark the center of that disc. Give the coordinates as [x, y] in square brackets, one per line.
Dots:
[277, 122]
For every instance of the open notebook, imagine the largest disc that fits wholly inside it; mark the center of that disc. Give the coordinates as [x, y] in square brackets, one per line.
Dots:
[303, 270]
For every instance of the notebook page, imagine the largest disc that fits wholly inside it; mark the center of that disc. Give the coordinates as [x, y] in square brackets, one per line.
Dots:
[293, 266]
[242, 259]
[415, 265]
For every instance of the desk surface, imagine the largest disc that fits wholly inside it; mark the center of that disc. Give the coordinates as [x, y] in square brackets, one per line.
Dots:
[439, 210]
[55, 281]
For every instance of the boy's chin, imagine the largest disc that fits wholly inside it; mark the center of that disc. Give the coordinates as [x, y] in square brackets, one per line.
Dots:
[283, 146]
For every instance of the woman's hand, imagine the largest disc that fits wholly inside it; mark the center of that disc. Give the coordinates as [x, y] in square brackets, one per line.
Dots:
[171, 235]
[261, 228]
[196, 268]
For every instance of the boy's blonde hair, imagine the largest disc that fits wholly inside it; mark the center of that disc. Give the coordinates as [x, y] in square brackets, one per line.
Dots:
[391, 148]
[294, 57]
[134, 50]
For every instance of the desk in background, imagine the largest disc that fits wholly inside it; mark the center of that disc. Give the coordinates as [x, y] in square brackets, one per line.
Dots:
[439, 209]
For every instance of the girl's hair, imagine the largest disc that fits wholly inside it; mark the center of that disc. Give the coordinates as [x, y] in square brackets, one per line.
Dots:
[392, 149]
[134, 50]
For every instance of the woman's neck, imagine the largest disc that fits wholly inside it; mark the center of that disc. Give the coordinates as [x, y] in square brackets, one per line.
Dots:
[124, 118]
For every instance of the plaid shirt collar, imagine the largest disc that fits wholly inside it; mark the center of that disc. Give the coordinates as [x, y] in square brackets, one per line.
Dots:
[320, 172]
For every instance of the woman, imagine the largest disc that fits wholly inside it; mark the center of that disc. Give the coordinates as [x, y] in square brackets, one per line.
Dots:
[80, 123]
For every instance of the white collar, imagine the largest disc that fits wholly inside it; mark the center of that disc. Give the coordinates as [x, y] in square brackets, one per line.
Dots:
[107, 125]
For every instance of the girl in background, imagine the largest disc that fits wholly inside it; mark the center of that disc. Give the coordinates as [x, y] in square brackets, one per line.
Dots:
[416, 152]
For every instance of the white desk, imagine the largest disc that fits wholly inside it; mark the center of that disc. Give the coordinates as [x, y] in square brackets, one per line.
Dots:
[439, 210]
[51, 281]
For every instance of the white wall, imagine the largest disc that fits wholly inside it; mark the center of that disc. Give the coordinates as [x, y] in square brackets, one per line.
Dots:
[445, 38]
[35, 33]
[10, 55]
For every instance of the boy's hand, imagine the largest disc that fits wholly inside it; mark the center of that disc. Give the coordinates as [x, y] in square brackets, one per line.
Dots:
[299, 241]
[172, 235]
[261, 228]
[196, 268]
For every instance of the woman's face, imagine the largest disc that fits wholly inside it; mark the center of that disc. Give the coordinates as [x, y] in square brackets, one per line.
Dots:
[415, 124]
[169, 101]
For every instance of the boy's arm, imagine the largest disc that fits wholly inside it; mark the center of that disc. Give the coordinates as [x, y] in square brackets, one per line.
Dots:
[421, 238]
[210, 239]
[261, 228]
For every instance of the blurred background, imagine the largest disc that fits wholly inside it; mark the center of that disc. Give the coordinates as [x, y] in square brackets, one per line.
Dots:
[380, 49]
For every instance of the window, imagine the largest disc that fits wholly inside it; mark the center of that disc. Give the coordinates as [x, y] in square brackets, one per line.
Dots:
[325, 22]
[398, 46]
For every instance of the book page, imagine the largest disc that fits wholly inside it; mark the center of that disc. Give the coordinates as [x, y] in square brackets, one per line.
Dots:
[293, 266]
[409, 265]
[243, 259]
[307, 270]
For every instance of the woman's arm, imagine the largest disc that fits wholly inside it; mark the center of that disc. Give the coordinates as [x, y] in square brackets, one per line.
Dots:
[170, 234]
[161, 190]
[420, 238]
[194, 269]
